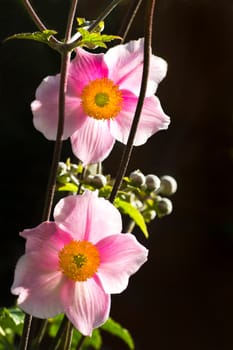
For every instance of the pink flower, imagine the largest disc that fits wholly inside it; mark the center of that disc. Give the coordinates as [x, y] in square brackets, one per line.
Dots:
[101, 99]
[72, 265]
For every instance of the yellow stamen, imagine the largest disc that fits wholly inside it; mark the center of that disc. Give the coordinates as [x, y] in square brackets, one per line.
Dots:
[79, 260]
[101, 99]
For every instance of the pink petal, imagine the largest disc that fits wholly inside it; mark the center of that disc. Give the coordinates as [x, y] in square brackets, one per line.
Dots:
[151, 121]
[86, 67]
[125, 63]
[84, 217]
[93, 142]
[46, 235]
[38, 286]
[45, 109]
[121, 256]
[86, 305]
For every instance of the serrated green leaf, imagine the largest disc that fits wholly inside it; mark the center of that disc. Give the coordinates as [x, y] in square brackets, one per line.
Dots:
[42, 37]
[129, 209]
[95, 39]
[117, 330]
[68, 187]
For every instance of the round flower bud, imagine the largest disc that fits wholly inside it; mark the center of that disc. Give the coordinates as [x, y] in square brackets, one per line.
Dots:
[149, 215]
[168, 185]
[99, 180]
[137, 178]
[152, 182]
[164, 207]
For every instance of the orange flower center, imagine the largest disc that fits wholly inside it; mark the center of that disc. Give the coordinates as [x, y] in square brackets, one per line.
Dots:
[79, 260]
[101, 99]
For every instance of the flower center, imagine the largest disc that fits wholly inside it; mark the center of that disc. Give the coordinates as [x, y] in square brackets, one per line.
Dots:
[101, 99]
[79, 260]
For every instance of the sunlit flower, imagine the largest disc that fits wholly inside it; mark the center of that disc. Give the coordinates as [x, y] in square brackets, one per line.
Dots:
[73, 264]
[101, 99]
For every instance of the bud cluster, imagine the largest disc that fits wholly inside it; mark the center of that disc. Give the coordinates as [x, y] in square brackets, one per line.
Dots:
[147, 193]
[152, 191]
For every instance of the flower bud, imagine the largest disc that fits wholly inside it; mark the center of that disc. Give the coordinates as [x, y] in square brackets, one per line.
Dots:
[149, 215]
[99, 180]
[164, 207]
[152, 182]
[168, 185]
[137, 178]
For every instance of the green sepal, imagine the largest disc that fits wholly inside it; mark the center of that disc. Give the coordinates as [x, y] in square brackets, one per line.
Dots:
[117, 330]
[129, 209]
[43, 37]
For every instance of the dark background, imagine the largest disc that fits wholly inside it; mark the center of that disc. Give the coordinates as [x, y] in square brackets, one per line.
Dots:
[182, 298]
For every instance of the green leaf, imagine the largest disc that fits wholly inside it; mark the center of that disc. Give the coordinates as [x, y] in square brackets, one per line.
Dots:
[68, 187]
[42, 37]
[95, 39]
[12, 318]
[129, 209]
[95, 341]
[117, 330]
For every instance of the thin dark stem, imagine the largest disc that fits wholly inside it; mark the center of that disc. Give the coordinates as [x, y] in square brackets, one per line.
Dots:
[67, 337]
[65, 59]
[128, 19]
[149, 14]
[74, 43]
[80, 344]
[71, 20]
[40, 25]
[57, 340]
[26, 332]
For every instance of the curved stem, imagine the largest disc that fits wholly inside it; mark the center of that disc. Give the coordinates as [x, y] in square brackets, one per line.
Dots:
[128, 19]
[65, 59]
[40, 25]
[149, 14]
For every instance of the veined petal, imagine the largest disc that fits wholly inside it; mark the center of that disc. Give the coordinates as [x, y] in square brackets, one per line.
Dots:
[84, 216]
[38, 286]
[86, 305]
[121, 256]
[152, 119]
[93, 142]
[45, 109]
[125, 63]
[47, 236]
[86, 67]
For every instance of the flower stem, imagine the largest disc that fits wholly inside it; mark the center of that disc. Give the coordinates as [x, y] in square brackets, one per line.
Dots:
[40, 25]
[74, 42]
[128, 19]
[149, 14]
[65, 59]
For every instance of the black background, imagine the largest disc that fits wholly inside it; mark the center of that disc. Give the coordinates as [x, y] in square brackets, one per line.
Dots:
[182, 298]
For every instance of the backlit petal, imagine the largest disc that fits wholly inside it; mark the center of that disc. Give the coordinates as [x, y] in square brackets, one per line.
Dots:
[45, 109]
[152, 119]
[86, 67]
[93, 142]
[121, 256]
[125, 63]
[38, 286]
[84, 216]
[86, 305]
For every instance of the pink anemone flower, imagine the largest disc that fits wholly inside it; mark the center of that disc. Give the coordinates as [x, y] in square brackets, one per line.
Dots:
[73, 264]
[102, 94]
